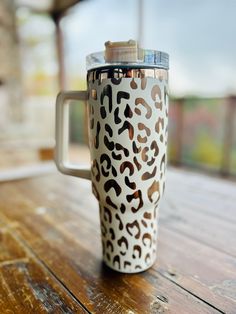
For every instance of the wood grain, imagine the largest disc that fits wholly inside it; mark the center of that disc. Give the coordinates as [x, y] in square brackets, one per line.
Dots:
[189, 208]
[212, 196]
[207, 229]
[101, 290]
[26, 286]
[202, 270]
[58, 219]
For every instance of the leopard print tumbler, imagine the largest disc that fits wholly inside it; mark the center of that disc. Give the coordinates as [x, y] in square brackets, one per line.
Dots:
[128, 138]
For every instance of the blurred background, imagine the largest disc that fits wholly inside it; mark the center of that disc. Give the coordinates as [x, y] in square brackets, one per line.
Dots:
[43, 45]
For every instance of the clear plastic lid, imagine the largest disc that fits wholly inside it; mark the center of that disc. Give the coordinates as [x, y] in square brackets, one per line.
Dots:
[127, 54]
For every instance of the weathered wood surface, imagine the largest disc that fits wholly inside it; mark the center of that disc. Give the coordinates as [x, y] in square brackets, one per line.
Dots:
[50, 238]
[26, 286]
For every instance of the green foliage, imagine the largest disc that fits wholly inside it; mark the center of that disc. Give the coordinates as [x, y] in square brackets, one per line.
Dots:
[171, 151]
[206, 150]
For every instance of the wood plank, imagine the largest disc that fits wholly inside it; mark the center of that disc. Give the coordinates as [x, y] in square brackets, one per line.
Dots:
[212, 206]
[204, 271]
[65, 237]
[26, 286]
[195, 181]
[10, 250]
[212, 196]
[206, 229]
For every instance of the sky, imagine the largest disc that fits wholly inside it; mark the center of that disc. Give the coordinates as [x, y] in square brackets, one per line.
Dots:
[199, 36]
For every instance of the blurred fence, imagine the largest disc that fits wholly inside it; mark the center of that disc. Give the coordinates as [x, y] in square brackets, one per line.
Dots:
[202, 133]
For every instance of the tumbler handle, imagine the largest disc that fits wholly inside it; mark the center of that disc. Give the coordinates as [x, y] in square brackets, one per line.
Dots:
[62, 135]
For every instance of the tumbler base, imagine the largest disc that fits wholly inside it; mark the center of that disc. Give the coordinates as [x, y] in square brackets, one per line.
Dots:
[129, 270]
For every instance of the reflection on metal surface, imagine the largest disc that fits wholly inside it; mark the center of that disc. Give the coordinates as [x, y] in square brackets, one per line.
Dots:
[118, 73]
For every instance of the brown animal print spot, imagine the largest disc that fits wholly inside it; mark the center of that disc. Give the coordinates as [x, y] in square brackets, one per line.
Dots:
[131, 185]
[138, 267]
[136, 150]
[129, 127]
[143, 83]
[147, 239]
[127, 263]
[133, 85]
[96, 139]
[107, 214]
[147, 259]
[158, 105]
[116, 116]
[152, 189]
[105, 158]
[144, 155]
[123, 240]
[144, 223]
[130, 227]
[112, 184]
[138, 249]
[147, 215]
[109, 202]
[103, 112]
[116, 259]
[109, 144]
[107, 91]
[129, 165]
[120, 147]
[95, 165]
[154, 147]
[135, 195]
[120, 222]
[156, 96]
[160, 122]
[122, 208]
[137, 164]
[108, 129]
[109, 244]
[145, 104]
[128, 112]
[163, 159]
[156, 92]
[137, 111]
[112, 233]
[142, 126]
[151, 162]
[116, 156]
[121, 95]
[142, 139]
[148, 175]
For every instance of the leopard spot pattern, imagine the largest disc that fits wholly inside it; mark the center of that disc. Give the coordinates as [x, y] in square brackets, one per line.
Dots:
[128, 136]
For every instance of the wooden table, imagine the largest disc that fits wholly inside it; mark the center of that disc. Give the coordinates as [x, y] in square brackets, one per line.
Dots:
[50, 251]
